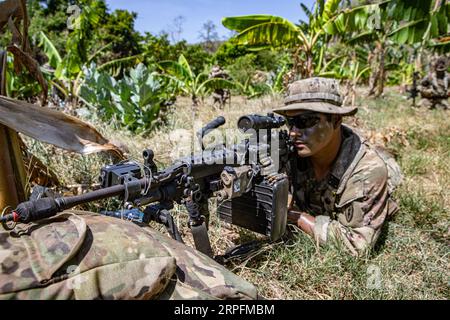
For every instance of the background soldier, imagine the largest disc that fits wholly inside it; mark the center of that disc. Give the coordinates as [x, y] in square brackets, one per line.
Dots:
[434, 88]
[340, 184]
[220, 95]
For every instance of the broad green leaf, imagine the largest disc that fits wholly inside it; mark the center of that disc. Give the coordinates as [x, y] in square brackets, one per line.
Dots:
[443, 17]
[217, 83]
[175, 69]
[54, 59]
[241, 23]
[352, 19]
[330, 10]
[201, 77]
[405, 32]
[273, 34]
[185, 64]
[306, 11]
[138, 73]
[360, 74]
[114, 67]
[434, 31]
[320, 6]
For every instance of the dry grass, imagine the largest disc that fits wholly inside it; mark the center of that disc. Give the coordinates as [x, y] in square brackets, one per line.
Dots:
[411, 260]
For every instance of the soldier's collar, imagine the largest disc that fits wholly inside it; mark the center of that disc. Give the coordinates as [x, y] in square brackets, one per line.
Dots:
[350, 145]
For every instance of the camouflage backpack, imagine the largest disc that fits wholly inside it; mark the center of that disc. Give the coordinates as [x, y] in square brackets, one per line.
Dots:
[395, 176]
[79, 255]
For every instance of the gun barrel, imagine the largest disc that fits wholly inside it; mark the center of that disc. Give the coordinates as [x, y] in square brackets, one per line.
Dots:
[70, 202]
[46, 207]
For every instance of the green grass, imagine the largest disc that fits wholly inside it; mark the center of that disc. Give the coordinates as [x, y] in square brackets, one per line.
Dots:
[411, 260]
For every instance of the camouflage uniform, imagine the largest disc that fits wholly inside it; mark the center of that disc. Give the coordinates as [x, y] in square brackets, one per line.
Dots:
[435, 87]
[79, 255]
[352, 202]
[220, 95]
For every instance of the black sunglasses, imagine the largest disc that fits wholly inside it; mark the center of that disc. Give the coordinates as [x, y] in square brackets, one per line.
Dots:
[303, 121]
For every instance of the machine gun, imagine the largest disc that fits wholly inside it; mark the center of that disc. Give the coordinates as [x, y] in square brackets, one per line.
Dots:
[251, 189]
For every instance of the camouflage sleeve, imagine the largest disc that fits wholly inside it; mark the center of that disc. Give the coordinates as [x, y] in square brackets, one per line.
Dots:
[362, 209]
[425, 87]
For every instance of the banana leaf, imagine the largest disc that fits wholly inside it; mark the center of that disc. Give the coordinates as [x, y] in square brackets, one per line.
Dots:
[54, 58]
[274, 34]
[54, 127]
[217, 83]
[241, 23]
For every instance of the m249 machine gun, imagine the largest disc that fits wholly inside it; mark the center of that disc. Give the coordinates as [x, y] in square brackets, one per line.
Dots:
[247, 179]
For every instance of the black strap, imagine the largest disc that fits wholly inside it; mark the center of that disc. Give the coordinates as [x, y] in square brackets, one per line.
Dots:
[201, 239]
[241, 251]
[199, 228]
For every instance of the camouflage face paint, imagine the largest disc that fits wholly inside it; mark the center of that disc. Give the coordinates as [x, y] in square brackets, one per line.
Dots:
[311, 140]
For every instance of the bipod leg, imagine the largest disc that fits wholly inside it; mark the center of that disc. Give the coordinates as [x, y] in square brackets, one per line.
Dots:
[199, 230]
[160, 214]
[170, 225]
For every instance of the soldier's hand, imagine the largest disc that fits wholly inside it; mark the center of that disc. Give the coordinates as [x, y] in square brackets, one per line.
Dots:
[302, 220]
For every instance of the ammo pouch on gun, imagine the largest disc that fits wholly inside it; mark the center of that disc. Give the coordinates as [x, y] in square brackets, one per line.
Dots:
[263, 209]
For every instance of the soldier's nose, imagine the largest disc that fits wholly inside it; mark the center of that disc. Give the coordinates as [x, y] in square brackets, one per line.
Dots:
[294, 132]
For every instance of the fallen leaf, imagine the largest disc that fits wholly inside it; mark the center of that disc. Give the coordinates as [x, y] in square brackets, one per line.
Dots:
[54, 127]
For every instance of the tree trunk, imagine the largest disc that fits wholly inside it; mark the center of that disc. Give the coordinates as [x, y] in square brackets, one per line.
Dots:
[195, 100]
[309, 64]
[195, 103]
[374, 67]
[297, 68]
[12, 169]
[382, 70]
[377, 78]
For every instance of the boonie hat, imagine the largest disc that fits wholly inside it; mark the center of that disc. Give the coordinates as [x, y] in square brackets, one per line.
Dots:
[441, 64]
[315, 94]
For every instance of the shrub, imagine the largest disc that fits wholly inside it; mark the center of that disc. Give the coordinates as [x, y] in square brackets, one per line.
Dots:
[133, 102]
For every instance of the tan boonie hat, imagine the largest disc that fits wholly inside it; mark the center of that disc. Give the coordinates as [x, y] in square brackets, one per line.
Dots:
[315, 94]
[441, 64]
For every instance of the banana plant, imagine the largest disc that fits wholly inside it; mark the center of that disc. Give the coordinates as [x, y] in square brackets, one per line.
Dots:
[69, 82]
[306, 40]
[195, 85]
[392, 23]
[68, 70]
[34, 121]
[14, 20]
